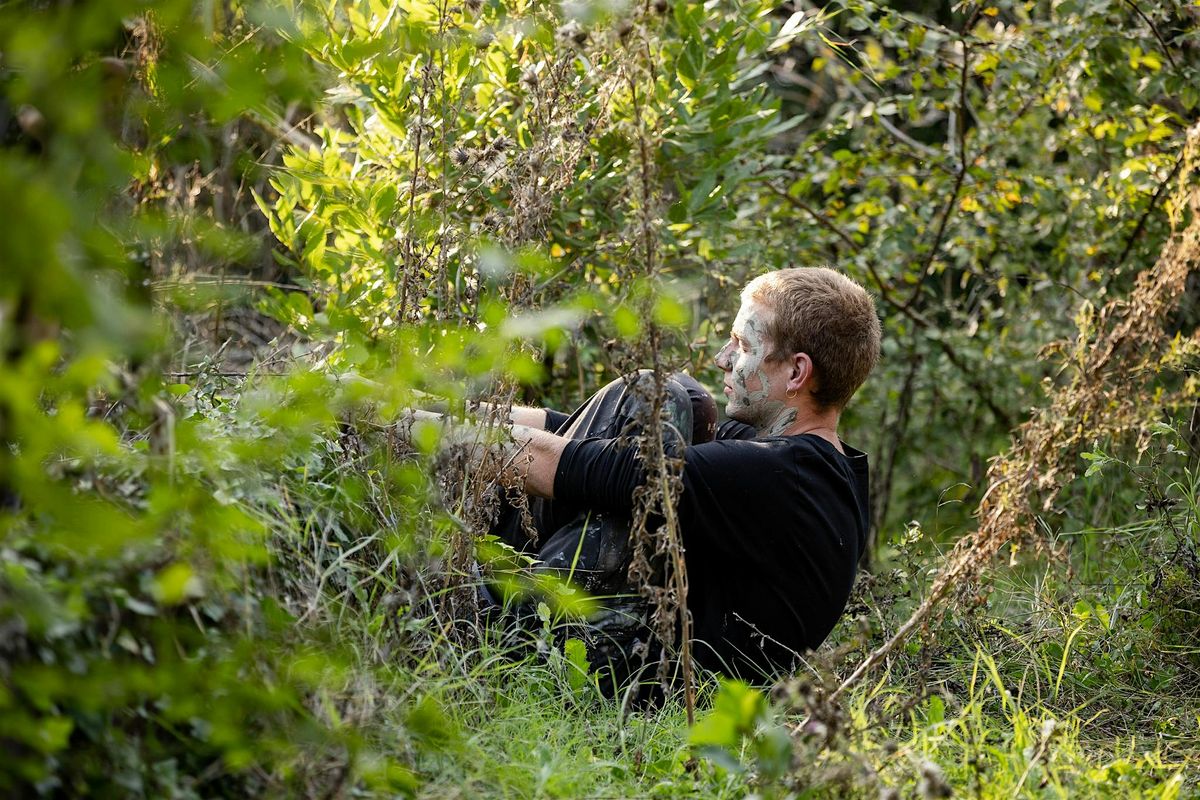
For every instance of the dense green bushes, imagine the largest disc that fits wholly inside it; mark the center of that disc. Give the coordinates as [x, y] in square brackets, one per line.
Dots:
[223, 574]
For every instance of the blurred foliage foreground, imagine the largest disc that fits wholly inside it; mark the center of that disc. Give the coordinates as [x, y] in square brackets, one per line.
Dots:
[237, 237]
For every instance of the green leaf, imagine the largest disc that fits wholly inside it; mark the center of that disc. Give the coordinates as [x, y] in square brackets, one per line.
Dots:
[737, 708]
[578, 665]
[690, 63]
[428, 721]
[670, 312]
[138, 607]
[627, 322]
[176, 583]
[935, 711]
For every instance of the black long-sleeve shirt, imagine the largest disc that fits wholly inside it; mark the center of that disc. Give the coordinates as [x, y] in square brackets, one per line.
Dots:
[772, 528]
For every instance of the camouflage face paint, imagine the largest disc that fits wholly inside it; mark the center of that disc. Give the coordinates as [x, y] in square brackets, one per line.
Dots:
[754, 385]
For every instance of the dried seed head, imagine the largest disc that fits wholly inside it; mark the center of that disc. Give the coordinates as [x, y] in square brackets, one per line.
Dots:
[815, 729]
[572, 33]
[660, 6]
[624, 28]
[500, 144]
[530, 77]
[461, 156]
[1049, 725]
[491, 220]
[474, 5]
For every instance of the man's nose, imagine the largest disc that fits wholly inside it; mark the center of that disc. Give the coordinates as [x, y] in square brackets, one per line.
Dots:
[722, 357]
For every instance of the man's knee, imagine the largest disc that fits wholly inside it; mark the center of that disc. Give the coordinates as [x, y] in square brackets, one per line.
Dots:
[704, 408]
[690, 407]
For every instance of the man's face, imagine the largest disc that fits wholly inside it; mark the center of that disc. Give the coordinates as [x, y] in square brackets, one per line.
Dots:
[755, 386]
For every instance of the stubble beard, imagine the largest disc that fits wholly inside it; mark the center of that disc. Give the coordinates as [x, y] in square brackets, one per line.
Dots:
[742, 410]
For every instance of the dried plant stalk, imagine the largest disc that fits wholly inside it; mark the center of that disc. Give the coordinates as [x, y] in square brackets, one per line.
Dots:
[1113, 362]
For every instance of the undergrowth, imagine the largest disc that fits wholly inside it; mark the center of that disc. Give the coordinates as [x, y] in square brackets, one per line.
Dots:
[225, 573]
[1062, 678]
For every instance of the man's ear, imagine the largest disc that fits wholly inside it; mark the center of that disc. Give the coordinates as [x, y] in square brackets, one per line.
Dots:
[801, 374]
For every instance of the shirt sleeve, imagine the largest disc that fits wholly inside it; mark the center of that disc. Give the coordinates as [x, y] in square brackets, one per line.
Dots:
[603, 474]
[600, 473]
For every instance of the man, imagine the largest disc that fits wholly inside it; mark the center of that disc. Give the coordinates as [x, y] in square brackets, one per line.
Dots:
[773, 511]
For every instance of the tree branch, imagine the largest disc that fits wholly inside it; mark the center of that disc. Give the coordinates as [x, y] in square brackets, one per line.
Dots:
[958, 181]
[1141, 223]
[818, 218]
[918, 319]
[1154, 29]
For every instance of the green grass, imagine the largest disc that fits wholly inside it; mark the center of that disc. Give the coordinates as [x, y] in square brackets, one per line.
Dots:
[979, 714]
[992, 705]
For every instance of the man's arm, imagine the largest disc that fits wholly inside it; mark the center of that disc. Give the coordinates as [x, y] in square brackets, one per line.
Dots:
[535, 418]
[534, 452]
[538, 455]
[524, 416]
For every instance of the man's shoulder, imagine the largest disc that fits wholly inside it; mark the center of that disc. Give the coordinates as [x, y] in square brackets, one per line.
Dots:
[757, 458]
[749, 455]
[733, 431]
[742, 438]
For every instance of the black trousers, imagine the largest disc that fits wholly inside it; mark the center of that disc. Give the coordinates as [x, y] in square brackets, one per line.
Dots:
[593, 550]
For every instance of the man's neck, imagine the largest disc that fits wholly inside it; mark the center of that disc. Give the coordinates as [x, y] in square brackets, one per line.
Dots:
[793, 421]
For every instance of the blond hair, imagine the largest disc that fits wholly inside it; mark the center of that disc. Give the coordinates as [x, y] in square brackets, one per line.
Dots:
[826, 315]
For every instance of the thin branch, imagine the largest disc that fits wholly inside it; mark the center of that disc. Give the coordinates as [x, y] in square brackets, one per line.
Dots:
[962, 170]
[412, 195]
[1154, 30]
[1141, 223]
[292, 134]
[678, 578]
[881, 482]
[906, 309]
[924, 149]
[818, 218]
[1002, 416]
[197, 373]
[216, 280]
[885, 289]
